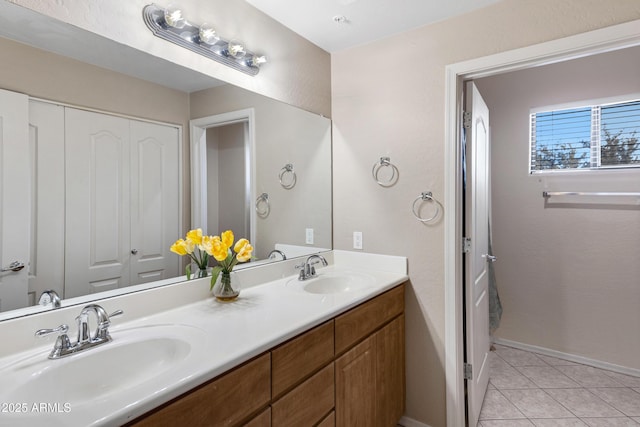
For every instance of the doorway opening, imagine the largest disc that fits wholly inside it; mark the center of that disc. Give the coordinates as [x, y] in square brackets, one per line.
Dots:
[591, 43]
[222, 167]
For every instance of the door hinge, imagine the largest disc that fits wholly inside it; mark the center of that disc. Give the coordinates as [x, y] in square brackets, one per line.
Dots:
[466, 119]
[466, 245]
[468, 371]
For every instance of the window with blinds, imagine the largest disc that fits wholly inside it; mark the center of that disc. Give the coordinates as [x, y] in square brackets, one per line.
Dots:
[593, 137]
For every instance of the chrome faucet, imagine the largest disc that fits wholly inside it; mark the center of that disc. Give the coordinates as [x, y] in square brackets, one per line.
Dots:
[277, 251]
[50, 297]
[63, 346]
[307, 269]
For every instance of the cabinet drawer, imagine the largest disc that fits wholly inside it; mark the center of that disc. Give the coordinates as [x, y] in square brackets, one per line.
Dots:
[300, 357]
[306, 404]
[225, 401]
[329, 421]
[360, 322]
[262, 420]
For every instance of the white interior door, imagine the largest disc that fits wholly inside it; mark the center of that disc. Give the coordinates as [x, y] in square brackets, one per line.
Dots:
[46, 141]
[15, 207]
[155, 201]
[477, 229]
[97, 231]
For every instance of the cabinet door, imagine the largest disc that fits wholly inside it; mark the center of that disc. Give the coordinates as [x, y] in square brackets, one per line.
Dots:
[355, 386]
[390, 379]
[155, 201]
[97, 228]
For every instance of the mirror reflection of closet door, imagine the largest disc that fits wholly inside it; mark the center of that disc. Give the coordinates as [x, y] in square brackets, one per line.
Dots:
[122, 202]
[14, 199]
[46, 145]
[155, 201]
[97, 202]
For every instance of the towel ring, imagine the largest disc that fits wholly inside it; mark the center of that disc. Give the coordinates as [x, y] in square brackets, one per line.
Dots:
[426, 195]
[377, 167]
[262, 205]
[288, 168]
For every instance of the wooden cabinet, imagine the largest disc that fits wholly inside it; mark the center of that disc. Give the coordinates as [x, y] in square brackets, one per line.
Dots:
[307, 404]
[390, 374]
[302, 383]
[262, 420]
[370, 382]
[295, 360]
[355, 379]
[361, 321]
[225, 401]
[329, 420]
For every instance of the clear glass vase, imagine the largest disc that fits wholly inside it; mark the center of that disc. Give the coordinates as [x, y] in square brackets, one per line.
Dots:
[202, 272]
[227, 287]
[197, 272]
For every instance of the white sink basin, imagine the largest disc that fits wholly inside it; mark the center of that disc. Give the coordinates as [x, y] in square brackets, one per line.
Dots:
[334, 283]
[134, 357]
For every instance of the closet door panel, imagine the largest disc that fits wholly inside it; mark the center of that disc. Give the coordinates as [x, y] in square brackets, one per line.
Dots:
[97, 206]
[155, 201]
[46, 147]
[14, 197]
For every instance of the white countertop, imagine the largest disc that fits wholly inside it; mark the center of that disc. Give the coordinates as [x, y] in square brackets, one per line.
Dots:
[225, 335]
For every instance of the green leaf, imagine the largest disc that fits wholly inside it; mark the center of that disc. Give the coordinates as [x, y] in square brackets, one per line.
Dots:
[215, 272]
[187, 270]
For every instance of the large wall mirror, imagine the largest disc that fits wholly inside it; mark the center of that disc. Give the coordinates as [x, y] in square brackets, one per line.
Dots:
[125, 152]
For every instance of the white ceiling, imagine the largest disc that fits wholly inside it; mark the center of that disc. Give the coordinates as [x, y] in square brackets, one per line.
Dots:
[366, 20]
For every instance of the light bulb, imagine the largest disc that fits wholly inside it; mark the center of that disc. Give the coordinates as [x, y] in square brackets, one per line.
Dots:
[207, 34]
[235, 48]
[173, 17]
[257, 60]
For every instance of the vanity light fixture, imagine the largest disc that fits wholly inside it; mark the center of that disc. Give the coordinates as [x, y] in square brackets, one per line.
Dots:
[208, 35]
[169, 24]
[173, 17]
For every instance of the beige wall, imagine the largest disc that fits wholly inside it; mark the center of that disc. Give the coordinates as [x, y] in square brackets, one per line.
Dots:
[53, 77]
[45, 75]
[284, 134]
[388, 99]
[226, 180]
[298, 71]
[568, 272]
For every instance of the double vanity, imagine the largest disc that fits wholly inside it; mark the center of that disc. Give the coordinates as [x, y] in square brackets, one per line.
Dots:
[327, 350]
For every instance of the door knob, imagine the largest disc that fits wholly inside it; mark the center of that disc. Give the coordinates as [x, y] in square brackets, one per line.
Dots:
[14, 266]
[490, 258]
[134, 251]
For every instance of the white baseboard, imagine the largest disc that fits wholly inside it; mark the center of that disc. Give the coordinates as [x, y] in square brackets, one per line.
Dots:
[409, 422]
[570, 357]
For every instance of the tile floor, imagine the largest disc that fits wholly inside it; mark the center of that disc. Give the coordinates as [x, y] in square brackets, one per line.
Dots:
[528, 389]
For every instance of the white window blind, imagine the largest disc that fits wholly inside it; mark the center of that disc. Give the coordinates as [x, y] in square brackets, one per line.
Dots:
[592, 137]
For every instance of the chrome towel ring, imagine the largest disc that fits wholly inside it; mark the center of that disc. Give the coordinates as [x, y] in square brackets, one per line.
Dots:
[263, 208]
[288, 169]
[385, 162]
[426, 196]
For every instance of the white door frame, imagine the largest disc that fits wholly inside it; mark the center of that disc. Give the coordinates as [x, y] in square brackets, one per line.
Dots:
[197, 132]
[585, 44]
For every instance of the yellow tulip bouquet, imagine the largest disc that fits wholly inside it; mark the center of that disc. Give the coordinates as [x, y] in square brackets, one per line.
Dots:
[200, 248]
